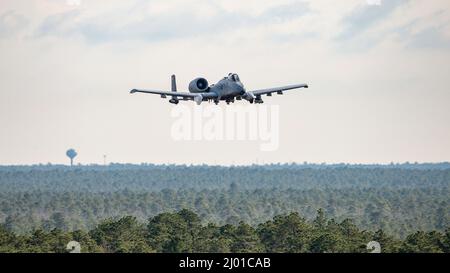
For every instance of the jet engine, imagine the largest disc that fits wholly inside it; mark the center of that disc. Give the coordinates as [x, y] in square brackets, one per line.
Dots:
[198, 85]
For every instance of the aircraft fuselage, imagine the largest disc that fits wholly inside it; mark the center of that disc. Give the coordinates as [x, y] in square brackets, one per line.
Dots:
[227, 89]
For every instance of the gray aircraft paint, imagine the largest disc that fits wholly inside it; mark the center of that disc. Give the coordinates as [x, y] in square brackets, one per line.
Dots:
[229, 89]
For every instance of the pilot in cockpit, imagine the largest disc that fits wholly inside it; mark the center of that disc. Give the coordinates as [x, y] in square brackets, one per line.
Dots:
[233, 77]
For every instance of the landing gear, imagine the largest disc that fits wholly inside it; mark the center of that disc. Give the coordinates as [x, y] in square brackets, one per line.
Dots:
[230, 100]
[258, 99]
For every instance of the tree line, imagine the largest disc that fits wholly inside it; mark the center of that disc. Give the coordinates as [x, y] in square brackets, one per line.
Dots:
[397, 200]
[184, 232]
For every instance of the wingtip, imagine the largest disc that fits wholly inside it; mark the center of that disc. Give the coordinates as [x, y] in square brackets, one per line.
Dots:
[133, 91]
[306, 86]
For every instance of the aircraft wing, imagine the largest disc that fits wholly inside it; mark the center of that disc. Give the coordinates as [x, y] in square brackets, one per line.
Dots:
[206, 95]
[277, 89]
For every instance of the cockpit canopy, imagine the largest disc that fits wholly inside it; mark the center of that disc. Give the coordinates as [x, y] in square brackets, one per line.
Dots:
[234, 77]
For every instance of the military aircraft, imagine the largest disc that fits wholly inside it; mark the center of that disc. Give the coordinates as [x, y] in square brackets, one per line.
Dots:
[228, 89]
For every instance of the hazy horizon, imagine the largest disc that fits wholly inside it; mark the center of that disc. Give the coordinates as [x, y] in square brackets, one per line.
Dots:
[261, 164]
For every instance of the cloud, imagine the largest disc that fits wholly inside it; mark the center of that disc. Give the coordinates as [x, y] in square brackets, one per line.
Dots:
[59, 24]
[143, 23]
[364, 17]
[367, 26]
[11, 23]
[75, 53]
[429, 38]
[285, 12]
[427, 32]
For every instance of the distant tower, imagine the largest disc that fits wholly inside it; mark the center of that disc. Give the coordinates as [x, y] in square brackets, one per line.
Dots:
[71, 153]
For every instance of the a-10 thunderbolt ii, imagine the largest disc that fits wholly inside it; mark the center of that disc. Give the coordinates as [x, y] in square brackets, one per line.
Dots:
[229, 89]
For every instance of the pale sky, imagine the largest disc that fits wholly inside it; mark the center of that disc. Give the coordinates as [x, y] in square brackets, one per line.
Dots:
[379, 78]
